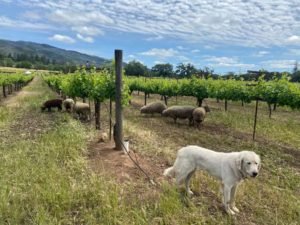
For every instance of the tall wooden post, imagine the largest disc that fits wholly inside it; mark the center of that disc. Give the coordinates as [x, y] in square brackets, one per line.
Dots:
[97, 114]
[110, 115]
[119, 117]
[255, 119]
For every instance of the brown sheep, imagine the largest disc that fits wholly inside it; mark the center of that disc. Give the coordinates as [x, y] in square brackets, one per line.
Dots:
[52, 103]
[181, 112]
[154, 107]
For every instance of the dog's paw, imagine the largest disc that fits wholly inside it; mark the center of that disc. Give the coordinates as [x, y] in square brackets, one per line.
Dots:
[190, 193]
[235, 209]
[229, 211]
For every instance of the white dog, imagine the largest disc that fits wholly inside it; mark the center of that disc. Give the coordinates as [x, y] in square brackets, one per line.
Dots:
[230, 168]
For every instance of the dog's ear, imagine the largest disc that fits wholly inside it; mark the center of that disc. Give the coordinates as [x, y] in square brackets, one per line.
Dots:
[259, 163]
[239, 162]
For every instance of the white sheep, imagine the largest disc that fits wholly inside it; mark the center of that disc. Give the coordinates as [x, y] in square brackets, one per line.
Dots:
[199, 115]
[181, 112]
[68, 104]
[82, 110]
[154, 107]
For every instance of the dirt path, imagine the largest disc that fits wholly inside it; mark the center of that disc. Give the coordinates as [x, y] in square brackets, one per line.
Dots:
[13, 100]
[104, 158]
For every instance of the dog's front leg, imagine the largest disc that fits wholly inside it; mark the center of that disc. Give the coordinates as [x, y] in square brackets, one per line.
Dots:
[187, 183]
[227, 199]
[232, 199]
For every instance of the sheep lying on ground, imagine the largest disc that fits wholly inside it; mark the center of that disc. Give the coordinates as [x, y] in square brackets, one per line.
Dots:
[68, 104]
[52, 103]
[82, 110]
[181, 112]
[154, 107]
[199, 115]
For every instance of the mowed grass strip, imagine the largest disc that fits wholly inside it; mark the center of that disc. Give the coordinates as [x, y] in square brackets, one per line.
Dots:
[44, 176]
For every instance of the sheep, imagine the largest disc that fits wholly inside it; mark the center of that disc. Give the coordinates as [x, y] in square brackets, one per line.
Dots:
[154, 107]
[181, 112]
[199, 115]
[68, 104]
[82, 110]
[52, 103]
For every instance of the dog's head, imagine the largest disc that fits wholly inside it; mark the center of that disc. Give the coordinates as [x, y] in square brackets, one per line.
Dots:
[248, 163]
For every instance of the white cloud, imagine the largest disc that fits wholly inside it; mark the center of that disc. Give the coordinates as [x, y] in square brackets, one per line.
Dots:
[62, 38]
[195, 51]
[181, 47]
[234, 22]
[294, 39]
[7, 22]
[294, 52]
[279, 64]
[85, 39]
[155, 38]
[209, 47]
[131, 56]
[31, 15]
[261, 53]
[159, 62]
[214, 61]
[161, 53]
[88, 30]
[79, 16]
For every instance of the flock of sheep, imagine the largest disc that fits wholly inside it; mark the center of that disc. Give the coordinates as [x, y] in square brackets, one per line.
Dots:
[82, 110]
[195, 115]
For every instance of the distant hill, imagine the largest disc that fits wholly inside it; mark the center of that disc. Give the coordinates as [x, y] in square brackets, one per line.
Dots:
[49, 52]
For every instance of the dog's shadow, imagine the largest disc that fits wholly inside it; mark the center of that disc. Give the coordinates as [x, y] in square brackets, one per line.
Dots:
[197, 199]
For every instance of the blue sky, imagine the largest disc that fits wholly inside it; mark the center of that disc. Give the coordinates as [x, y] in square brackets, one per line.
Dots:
[227, 35]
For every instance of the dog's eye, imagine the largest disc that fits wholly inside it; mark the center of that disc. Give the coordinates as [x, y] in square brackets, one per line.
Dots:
[256, 163]
[248, 163]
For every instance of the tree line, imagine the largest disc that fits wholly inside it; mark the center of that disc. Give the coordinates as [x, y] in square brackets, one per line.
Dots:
[136, 68]
[31, 61]
[182, 70]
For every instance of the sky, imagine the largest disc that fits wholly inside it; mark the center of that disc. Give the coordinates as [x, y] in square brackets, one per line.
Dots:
[224, 35]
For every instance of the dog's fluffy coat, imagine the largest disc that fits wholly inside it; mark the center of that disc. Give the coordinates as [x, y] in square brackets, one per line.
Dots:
[230, 168]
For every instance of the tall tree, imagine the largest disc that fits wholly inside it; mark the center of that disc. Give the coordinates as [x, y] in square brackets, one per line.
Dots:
[185, 70]
[205, 72]
[162, 70]
[135, 68]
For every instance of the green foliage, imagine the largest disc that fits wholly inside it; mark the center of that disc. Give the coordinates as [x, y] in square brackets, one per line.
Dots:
[93, 85]
[185, 70]
[135, 68]
[279, 91]
[6, 79]
[162, 70]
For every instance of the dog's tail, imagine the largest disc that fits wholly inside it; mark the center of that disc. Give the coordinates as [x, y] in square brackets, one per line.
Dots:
[169, 172]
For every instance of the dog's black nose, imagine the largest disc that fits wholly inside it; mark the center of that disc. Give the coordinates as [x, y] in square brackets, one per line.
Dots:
[254, 174]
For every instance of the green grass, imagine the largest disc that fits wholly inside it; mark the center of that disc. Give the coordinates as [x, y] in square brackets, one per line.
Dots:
[273, 198]
[45, 178]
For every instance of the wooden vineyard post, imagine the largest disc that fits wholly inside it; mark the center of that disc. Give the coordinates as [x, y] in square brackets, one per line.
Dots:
[255, 119]
[4, 91]
[97, 114]
[145, 98]
[118, 131]
[110, 115]
[256, 109]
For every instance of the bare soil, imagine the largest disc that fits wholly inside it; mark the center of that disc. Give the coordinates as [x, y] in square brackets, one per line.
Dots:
[104, 157]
